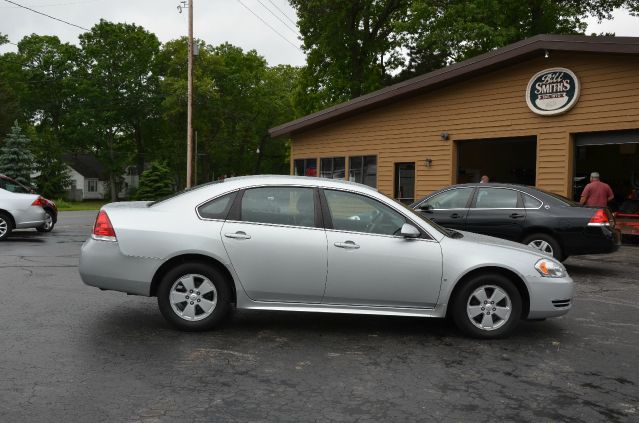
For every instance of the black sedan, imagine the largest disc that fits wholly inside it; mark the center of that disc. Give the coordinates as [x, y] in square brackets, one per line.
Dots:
[552, 223]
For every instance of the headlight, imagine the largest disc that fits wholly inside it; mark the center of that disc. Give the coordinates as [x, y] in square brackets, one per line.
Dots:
[550, 269]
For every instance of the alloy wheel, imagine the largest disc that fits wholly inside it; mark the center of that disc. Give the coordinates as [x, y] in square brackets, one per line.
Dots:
[489, 307]
[4, 227]
[48, 222]
[542, 245]
[193, 297]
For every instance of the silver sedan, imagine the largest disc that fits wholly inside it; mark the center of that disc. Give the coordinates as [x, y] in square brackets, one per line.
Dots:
[315, 245]
[20, 211]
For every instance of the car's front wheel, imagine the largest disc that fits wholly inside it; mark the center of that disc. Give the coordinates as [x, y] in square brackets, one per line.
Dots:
[487, 306]
[194, 296]
[48, 223]
[6, 226]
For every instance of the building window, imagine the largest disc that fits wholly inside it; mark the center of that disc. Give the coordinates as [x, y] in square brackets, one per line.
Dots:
[333, 168]
[405, 182]
[305, 167]
[92, 185]
[363, 169]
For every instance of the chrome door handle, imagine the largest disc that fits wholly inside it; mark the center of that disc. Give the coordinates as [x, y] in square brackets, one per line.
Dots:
[350, 245]
[517, 215]
[238, 235]
[455, 215]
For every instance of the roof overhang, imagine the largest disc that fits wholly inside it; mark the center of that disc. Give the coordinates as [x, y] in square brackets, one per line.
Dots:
[522, 50]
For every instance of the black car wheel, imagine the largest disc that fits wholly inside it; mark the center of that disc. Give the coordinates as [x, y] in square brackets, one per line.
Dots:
[487, 306]
[194, 296]
[6, 226]
[546, 244]
[48, 224]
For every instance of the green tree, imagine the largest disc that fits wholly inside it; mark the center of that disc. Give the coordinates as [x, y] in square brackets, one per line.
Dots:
[118, 93]
[352, 48]
[438, 33]
[16, 160]
[155, 182]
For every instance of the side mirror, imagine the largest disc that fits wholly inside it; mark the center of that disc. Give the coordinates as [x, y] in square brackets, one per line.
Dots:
[409, 231]
[425, 208]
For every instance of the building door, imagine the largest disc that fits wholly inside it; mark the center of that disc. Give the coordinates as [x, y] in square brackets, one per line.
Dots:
[405, 182]
[615, 156]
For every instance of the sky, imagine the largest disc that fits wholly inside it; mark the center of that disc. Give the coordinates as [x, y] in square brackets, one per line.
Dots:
[263, 25]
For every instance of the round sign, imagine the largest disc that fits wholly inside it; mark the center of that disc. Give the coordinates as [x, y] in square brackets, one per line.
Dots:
[552, 91]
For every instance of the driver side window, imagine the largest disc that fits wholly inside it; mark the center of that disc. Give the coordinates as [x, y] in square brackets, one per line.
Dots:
[358, 213]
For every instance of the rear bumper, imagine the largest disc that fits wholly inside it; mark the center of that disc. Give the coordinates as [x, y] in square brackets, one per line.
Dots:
[31, 217]
[550, 297]
[596, 240]
[103, 265]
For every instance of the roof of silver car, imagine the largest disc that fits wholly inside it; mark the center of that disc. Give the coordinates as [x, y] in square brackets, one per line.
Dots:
[298, 180]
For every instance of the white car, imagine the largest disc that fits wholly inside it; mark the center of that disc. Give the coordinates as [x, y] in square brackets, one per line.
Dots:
[20, 211]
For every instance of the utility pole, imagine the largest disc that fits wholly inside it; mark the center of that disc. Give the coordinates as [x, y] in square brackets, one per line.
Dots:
[189, 113]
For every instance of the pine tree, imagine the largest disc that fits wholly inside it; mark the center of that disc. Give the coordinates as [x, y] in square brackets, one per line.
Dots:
[155, 183]
[16, 159]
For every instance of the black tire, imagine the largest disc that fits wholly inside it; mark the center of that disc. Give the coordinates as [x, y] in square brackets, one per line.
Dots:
[466, 297]
[222, 296]
[45, 228]
[6, 226]
[557, 252]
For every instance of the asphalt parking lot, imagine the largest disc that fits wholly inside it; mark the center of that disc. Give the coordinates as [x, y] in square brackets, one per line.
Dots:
[73, 353]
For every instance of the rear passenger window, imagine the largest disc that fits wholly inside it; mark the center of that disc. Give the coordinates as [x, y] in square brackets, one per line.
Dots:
[217, 208]
[531, 202]
[496, 198]
[279, 205]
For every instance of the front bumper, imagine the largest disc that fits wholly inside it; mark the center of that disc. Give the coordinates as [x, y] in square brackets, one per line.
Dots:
[550, 297]
[103, 265]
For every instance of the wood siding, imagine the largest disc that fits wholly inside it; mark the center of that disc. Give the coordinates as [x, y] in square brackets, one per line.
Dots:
[486, 107]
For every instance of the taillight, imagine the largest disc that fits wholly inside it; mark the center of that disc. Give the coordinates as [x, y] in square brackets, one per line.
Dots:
[38, 202]
[103, 229]
[600, 218]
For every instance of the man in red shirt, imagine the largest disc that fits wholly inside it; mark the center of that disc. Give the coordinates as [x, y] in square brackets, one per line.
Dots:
[596, 193]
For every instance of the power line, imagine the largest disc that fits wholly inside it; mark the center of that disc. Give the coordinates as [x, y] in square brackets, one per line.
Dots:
[48, 16]
[278, 18]
[55, 4]
[284, 14]
[265, 23]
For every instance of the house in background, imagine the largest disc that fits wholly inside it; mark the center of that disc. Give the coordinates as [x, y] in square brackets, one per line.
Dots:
[90, 179]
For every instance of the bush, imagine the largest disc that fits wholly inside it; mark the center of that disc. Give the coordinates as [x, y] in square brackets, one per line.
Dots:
[155, 183]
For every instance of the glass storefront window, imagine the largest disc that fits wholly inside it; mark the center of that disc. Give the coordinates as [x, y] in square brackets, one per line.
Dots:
[363, 169]
[333, 167]
[305, 167]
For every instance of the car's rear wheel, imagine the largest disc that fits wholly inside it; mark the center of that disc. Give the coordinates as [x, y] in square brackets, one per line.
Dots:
[6, 226]
[546, 244]
[487, 306]
[48, 223]
[194, 296]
